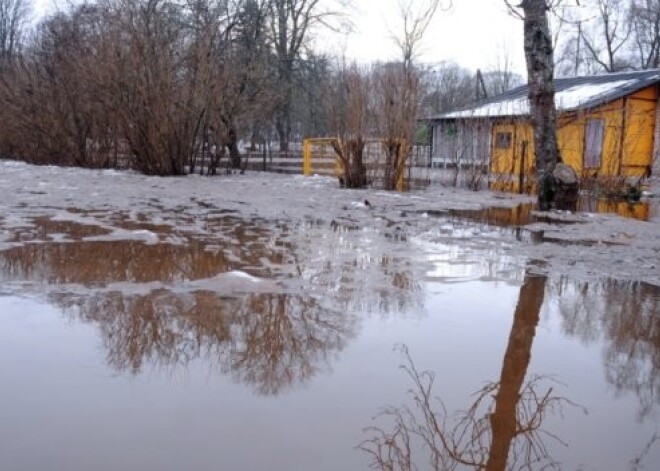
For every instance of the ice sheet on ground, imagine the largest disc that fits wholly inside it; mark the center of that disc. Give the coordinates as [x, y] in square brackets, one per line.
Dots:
[191, 206]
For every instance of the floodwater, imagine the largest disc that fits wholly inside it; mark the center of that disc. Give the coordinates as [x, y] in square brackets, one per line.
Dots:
[272, 345]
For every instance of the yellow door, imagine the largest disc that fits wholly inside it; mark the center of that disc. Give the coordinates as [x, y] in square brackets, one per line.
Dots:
[502, 163]
[524, 165]
[503, 145]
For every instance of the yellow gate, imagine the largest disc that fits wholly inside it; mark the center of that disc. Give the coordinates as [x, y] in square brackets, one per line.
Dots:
[320, 158]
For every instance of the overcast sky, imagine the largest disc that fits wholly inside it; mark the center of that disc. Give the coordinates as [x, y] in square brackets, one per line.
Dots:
[474, 33]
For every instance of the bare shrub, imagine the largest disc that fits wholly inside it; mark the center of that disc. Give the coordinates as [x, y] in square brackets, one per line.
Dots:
[350, 112]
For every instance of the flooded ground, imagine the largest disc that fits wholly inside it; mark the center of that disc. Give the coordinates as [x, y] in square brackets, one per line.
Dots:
[257, 323]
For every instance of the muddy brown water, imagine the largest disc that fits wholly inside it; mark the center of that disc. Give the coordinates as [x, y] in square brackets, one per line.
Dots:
[273, 346]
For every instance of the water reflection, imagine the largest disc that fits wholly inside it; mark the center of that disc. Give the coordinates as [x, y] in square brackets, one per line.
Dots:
[163, 305]
[625, 317]
[524, 214]
[270, 341]
[507, 420]
[502, 428]
[87, 255]
[641, 210]
[100, 263]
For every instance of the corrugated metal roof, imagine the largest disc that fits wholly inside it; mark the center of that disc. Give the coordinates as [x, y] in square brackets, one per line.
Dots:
[571, 93]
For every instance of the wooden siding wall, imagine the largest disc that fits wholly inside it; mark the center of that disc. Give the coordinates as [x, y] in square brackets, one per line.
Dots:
[461, 143]
[627, 148]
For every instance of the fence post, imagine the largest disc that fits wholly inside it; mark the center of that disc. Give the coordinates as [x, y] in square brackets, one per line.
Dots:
[307, 157]
[521, 177]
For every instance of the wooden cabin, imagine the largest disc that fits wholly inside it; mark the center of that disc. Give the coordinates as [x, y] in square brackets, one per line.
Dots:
[607, 129]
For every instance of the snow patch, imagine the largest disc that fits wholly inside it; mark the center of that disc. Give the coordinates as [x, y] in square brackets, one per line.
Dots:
[565, 100]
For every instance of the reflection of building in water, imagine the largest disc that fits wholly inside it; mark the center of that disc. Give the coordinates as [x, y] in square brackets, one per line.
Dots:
[641, 210]
[625, 316]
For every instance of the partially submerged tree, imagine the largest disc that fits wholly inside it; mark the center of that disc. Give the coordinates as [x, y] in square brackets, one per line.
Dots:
[350, 111]
[398, 89]
[540, 79]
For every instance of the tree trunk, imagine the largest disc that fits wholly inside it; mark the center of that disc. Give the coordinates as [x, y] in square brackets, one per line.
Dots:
[232, 147]
[351, 154]
[540, 78]
[284, 124]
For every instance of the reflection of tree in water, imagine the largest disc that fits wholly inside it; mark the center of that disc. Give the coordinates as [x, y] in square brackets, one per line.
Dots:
[272, 341]
[269, 340]
[356, 267]
[94, 263]
[501, 430]
[280, 339]
[626, 316]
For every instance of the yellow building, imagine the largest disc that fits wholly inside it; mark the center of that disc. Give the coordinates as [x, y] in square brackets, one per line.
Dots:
[606, 129]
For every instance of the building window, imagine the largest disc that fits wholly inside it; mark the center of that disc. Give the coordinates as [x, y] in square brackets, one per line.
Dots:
[503, 140]
[593, 143]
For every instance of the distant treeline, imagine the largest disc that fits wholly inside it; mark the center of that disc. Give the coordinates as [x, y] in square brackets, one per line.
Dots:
[157, 83]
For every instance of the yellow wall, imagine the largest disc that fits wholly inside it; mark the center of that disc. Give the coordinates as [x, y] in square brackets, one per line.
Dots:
[507, 163]
[640, 127]
[629, 125]
[571, 135]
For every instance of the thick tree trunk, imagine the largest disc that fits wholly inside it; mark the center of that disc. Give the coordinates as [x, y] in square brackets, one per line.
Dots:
[351, 155]
[540, 78]
[232, 147]
[284, 129]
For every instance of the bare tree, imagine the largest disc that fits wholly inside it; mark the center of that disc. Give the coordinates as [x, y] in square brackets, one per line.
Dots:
[645, 23]
[398, 96]
[416, 16]
[541, 82]
[291, 22]
[399, 88]
[447, 87]
[151, 82]
[350, 110]
[500, 76]
[606, 39]
[14, 15]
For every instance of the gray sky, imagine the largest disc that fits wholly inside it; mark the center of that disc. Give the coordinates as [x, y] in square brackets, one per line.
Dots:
[474, 33]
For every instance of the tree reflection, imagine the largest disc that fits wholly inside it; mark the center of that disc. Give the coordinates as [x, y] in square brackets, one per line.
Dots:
[502, 429]
[626, 316]
[236, 244]
[280, 332]
[100, 263]
[271, 341]
[281, 339]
